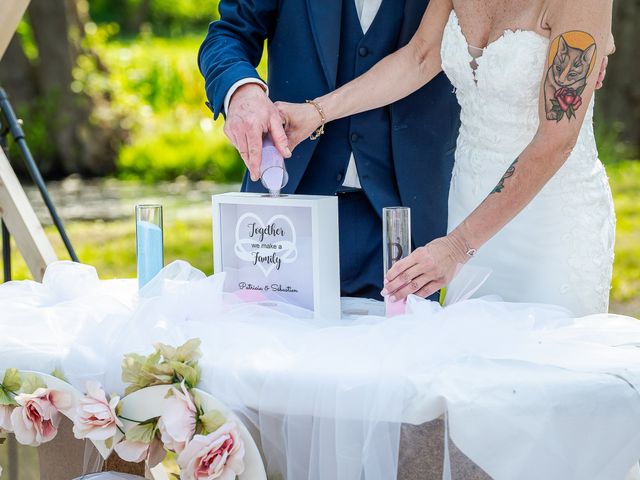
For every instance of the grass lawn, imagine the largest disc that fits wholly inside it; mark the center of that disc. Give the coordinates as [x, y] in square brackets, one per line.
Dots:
[625, 183]
[110, 246]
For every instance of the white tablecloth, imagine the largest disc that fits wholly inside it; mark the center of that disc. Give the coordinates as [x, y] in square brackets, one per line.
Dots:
[529, 392]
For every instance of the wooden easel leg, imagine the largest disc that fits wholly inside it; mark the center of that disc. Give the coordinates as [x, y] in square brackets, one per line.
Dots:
[21, 220]
[11, 11]
[15, 209]
[6, 252]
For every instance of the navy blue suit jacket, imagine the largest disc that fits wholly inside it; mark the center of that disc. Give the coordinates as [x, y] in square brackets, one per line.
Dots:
[303, 44]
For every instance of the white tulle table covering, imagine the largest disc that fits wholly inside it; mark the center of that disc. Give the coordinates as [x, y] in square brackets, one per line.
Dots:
[528, 391]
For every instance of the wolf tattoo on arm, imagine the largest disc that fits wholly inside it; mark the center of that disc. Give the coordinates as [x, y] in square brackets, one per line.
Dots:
[567, 75]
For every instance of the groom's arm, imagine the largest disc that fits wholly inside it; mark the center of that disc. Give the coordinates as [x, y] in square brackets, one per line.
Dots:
[233, 47]
[228, 59]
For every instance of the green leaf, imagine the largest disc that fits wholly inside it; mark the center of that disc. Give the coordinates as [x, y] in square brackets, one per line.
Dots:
[156, 378]
[6, 398]
[166, 365]
[144, 432]
[134, 387]
[108, 443]
[12, 380]
[555, 103]
[560, 116]
[580, 89]
[131, 367]
[140, 371]
[211, 421]
[31, 383]
[166, 351]
[59, 375]
[189, 352]
[153, 359]
[191, 375]
[197, 402]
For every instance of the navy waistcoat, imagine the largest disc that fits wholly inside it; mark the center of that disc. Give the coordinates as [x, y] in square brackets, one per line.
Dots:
[367, 135]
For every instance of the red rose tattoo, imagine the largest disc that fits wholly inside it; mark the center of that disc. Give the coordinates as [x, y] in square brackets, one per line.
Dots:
[568, 101]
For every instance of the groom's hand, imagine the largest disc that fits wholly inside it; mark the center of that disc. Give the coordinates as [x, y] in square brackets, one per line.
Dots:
[252, 114]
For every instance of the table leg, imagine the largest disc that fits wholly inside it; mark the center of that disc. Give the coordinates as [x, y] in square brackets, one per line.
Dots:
[13, 467]
[422, 454]
[63, 457]
[116, 464]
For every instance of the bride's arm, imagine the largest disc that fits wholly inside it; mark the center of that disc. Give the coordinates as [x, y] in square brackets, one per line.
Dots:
[580, 30]
[397, 75]
[392, 78]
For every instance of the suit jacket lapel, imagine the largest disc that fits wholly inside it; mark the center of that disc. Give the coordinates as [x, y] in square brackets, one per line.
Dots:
[326, 17]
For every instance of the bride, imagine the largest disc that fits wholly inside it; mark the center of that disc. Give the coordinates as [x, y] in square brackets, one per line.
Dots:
[529, 197]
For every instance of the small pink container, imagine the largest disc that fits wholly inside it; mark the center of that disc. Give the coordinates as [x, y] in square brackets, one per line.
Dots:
[273, 172]
[393, 309]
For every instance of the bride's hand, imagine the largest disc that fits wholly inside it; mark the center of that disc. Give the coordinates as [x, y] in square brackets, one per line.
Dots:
[427, 269]
[300, 121]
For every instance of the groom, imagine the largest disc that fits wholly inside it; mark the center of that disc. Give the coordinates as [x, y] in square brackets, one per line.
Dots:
[401, 155]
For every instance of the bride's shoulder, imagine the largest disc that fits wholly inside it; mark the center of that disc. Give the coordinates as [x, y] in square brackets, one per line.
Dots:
[560, 10]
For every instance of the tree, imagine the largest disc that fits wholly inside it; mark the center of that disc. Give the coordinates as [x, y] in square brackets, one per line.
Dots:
[619, 100]
[77, 136]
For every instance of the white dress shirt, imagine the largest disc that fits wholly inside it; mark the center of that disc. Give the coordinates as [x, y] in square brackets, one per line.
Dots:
[367, 11]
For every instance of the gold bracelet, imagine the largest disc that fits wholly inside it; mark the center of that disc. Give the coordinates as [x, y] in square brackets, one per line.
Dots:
[320, 130]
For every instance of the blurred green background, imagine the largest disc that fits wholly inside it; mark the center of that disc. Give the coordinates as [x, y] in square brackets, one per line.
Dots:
[139, 130]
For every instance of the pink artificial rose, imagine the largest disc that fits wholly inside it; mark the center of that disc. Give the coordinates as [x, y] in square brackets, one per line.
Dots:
[130, 451]
[218, 455]
[5, 418]
[177, 424]
[96, 417]
[37, 416]
[137, 452]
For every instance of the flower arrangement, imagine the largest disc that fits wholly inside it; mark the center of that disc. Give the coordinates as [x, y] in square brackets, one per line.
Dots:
[208, 445]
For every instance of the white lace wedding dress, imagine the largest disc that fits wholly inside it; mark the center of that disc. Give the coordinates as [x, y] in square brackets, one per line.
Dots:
[559, 249]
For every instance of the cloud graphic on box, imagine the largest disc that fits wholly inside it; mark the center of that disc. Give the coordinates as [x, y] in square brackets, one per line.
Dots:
[253, 246]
